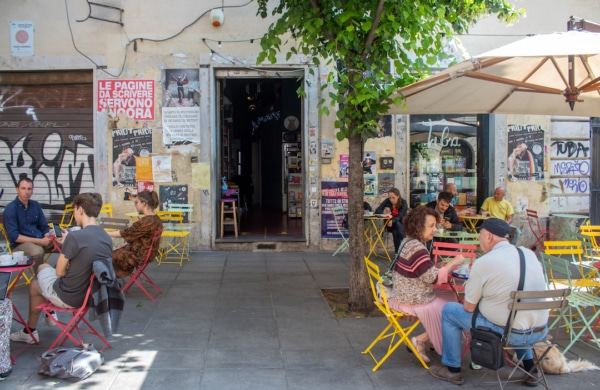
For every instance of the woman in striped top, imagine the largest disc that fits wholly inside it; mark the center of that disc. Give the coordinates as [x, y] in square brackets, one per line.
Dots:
[415, 275]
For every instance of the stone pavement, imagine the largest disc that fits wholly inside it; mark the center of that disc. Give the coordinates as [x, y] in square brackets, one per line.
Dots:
[248, 320]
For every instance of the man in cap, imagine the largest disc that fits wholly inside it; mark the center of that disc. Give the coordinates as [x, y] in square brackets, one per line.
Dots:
[492, 278]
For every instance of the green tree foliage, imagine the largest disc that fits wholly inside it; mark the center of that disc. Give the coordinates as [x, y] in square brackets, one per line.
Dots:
[360, 41]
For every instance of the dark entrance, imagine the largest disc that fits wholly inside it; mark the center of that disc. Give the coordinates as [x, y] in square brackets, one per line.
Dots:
[261, 156]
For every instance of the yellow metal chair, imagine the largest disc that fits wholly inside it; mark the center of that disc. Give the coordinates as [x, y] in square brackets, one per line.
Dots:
[590, 234]
[394, 334]
[570, 252]
[170, 216]
[107, 209]
[28, 275]
[66, 220]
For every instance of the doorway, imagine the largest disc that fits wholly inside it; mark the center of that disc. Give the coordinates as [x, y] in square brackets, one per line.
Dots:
[261, 156]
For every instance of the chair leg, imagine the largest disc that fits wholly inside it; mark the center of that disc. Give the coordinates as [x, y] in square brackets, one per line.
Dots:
[235, 227]
[222, 218]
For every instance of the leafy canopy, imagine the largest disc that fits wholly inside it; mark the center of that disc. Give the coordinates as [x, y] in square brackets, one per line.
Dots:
[361, 39]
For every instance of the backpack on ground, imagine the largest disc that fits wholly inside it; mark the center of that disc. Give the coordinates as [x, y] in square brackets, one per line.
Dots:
[70, 363]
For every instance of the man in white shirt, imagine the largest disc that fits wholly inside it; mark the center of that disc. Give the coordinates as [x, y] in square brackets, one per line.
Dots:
[492, 278]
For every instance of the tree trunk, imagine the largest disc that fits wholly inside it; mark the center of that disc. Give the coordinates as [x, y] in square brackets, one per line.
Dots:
[360, 297]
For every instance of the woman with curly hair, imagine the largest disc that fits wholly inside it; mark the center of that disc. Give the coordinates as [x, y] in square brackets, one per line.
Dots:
[414, 275]
[138, 237]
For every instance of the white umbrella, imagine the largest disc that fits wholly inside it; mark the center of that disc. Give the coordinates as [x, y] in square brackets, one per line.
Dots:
[530, 76]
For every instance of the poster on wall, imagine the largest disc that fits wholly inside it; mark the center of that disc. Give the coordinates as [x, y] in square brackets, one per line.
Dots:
[344, 165]
[128, 144]
[133, 98]
[369, 163]
[143, 169]
[174, 194]
[525, 152]
[181, 125]
[161, 169]
[181, 88]
[201, 176]
[145, 186]
[384, 126]
[370, 182]
[21, 38]
[385, 181]
[333, 193]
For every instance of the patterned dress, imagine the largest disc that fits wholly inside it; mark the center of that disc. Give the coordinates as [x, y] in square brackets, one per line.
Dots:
[138, 238]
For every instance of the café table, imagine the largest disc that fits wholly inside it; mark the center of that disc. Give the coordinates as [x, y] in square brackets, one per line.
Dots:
[459, 235]
[375, 225]
[471, 221]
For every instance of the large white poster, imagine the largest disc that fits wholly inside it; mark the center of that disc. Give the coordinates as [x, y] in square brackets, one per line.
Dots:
[181, 125]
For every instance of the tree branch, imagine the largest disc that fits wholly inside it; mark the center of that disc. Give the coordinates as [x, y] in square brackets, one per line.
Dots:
[315, 6]
[376, 21]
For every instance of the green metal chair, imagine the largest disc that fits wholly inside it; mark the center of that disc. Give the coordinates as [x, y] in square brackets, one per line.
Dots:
[561, 261]
[338, 215]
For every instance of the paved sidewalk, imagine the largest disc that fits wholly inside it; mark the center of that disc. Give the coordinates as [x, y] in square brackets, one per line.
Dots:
[248, 320]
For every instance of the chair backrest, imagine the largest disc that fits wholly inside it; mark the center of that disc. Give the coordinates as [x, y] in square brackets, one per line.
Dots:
[153, 248]
[379, 297]
[88, 293]
[536, 300]
[5, 237]
[66, 218]
[114, 223]
[107, 209]
[534, 223]
[591, 235]
[339, 213]
[184, 208]
[170, 216]
[557, 259]
[442, 250]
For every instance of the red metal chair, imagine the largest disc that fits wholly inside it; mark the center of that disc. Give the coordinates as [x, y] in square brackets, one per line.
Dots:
[70, 330]
[538, 231]
[443, 251]
[139, 276]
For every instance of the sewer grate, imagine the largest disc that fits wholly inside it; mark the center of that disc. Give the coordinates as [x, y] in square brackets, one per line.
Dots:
[266, 246]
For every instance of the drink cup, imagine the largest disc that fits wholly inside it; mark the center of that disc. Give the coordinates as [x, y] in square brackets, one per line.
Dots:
[18, 256]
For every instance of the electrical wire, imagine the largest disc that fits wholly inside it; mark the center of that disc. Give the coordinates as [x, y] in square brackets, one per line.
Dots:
[130, 41]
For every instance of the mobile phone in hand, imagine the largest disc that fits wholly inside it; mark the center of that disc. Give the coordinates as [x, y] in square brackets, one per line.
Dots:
[57, 231]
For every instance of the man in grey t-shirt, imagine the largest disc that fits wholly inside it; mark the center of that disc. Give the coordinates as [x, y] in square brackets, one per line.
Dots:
[492, 278]
[66, 285]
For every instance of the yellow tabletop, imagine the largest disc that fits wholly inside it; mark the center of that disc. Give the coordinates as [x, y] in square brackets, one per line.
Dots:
[471, 221]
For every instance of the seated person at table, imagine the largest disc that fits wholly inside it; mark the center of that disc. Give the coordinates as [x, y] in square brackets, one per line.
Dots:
[66, 285]
[138, 237]
[491, 280]
[414, 275]
[451, 188]
[26, 224]
[395, 206]
[448, 218]
[497, 206]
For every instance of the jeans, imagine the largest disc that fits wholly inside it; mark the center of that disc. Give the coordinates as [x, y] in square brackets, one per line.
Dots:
[397, 230]
[455, 320]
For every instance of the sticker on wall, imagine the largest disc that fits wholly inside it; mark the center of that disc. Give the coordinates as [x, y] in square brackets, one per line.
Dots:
[129, 143]
[385, 181]
[369, 163]
[201, 176]
[161, 169]
[344, 161]
[21, 38]
[145, 186]
[133, 98]
[313, 203]
[370, 182]
[326, 149]
[386, 162]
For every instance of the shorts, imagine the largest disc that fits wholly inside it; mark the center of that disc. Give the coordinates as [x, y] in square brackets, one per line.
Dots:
[46, 277]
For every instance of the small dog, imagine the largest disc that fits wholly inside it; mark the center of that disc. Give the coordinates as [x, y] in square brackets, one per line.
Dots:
[555, 362]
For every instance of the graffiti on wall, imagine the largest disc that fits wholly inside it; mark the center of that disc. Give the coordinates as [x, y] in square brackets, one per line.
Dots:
[571, 149]
[60, 166]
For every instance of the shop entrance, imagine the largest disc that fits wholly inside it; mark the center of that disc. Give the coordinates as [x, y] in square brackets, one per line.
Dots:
[261, 158]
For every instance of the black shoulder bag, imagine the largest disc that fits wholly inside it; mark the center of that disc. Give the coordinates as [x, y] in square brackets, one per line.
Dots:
[486, 345]
[386, 278]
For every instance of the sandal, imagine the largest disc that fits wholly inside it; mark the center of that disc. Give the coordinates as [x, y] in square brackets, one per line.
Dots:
[420, 346]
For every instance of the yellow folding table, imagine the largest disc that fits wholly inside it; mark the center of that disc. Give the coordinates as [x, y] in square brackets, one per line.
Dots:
[174, 244]
[374, 229]
[471, 221]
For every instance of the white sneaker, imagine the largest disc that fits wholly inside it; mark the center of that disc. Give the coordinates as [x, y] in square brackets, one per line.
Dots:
[49, 321]
[23, 337]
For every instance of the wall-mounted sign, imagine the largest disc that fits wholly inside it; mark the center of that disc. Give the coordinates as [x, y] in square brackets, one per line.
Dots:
[134, 98]
[386, 162]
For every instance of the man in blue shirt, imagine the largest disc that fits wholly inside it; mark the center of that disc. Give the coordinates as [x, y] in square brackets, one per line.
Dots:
[26, 224]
